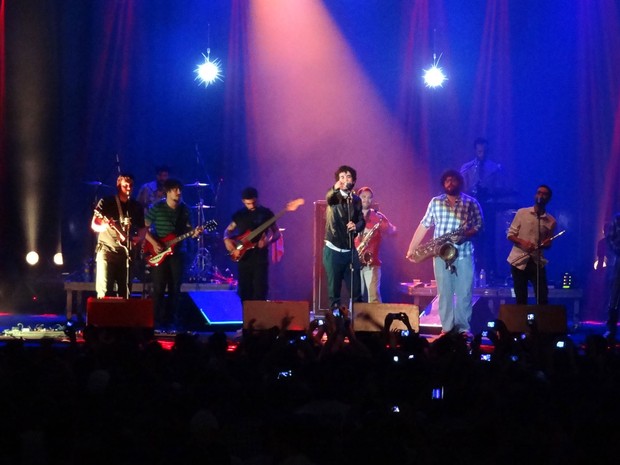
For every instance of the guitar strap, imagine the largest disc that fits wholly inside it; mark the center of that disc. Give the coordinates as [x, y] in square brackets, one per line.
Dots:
[122, 217]
[180, 224]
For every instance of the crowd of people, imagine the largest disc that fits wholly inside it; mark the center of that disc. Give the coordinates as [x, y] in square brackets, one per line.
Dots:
[325, 396]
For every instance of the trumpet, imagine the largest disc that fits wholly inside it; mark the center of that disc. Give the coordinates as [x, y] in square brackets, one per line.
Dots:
[538, 247]
[365, 256]
[442, 247]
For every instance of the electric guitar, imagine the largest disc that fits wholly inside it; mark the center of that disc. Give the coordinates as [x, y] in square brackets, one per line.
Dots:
[151, 258]
[121, 236]
[244, 242]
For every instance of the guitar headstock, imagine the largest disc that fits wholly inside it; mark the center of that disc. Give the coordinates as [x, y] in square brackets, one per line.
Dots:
[102, 217]
[210, 225]
[294, 204]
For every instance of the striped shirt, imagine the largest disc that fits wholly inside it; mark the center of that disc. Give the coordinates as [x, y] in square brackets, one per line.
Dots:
[165, 220]
[466, 212]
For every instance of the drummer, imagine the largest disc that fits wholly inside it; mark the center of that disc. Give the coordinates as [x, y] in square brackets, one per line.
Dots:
[153, 191]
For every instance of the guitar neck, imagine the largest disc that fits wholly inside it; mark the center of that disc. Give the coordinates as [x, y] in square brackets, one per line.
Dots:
[258, 231]
[112, 224]
[208, 226]
[178, 239]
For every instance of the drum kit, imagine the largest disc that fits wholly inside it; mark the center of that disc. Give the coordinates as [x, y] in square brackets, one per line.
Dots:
[201, 268]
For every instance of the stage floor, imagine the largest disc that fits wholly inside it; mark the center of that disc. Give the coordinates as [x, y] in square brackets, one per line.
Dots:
[31, 327]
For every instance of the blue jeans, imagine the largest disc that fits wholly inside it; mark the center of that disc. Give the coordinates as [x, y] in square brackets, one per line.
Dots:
[455, 291]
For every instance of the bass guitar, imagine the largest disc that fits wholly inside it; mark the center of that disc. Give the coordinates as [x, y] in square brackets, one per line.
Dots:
[151, 258]
[245, 241]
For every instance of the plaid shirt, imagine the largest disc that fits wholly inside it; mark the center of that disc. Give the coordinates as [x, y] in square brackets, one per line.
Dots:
[466, 211]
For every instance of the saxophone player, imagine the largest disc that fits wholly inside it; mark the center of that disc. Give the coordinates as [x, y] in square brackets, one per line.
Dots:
[448, 212]
[368, 244]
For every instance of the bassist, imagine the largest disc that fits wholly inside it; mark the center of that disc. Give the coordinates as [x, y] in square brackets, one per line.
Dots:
[168, 216]
[254, 258]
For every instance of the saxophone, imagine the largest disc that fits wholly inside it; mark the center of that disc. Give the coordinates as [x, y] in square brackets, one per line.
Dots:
[441, 246]
[366, 257]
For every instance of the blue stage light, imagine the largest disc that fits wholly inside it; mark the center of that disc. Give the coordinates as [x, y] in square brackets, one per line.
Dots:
[434, 76]
[209, 71]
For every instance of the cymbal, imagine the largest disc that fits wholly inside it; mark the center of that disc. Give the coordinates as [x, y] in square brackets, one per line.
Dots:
[96, 183]
[202, 206]
[197, 184]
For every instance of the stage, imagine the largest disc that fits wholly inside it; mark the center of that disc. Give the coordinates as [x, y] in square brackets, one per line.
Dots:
[217, 302]
[216, 306]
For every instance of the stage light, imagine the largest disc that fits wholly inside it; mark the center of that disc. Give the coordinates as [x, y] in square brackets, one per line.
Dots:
[58, 260]
[209, 71]
[434, 77]
[32, 258]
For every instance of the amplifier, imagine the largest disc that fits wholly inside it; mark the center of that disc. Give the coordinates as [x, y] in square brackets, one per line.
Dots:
[120, 313]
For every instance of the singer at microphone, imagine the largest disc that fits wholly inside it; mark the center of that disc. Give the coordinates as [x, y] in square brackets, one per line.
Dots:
[343, 219]
[541, 205]
[113, 277]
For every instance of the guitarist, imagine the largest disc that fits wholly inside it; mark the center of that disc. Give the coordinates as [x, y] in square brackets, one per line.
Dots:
[115, 220]
[169, 215]
[253, 282]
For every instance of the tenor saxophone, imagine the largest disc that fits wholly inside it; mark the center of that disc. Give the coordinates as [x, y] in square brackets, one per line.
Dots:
[441, 246]
[366, 256]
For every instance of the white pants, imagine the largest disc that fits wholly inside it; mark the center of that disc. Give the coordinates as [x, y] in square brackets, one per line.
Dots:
[371, 284]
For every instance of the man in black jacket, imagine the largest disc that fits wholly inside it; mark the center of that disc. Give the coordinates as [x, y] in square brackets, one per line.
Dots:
[344, 219]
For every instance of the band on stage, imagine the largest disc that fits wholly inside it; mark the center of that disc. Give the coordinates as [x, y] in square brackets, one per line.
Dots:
[145, 240]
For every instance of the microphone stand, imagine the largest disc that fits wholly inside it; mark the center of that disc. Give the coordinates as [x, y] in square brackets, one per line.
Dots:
[540, 210]
[127, 230]
[352, 248]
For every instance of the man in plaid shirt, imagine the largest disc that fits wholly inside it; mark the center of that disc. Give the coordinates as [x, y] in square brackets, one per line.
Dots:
[447, 213]
[613, 240]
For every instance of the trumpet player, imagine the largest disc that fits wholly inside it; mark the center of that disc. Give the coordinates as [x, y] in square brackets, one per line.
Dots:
[368, 244]
[530, 232]
[458, 213]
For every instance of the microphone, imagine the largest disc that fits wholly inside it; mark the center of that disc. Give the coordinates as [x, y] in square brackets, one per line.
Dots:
[349, 186]
[541, 205]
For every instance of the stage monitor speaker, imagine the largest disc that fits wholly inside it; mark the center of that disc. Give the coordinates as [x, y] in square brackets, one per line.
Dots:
[269, 313]
[546, 318]
[370, 317]
[119, 313]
